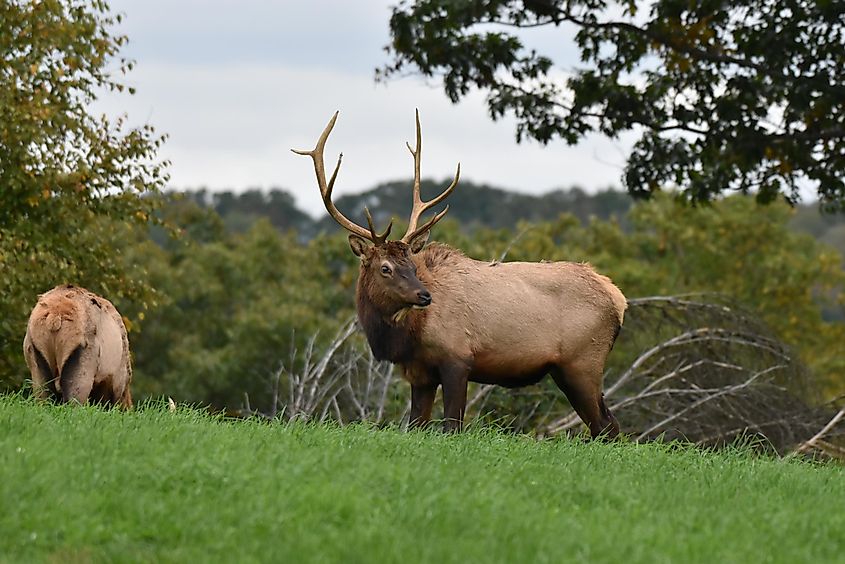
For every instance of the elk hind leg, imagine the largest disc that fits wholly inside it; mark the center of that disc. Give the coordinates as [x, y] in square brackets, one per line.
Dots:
[43, 380]
[121, 392]
[582, 384]
[102, 393]
[454, 380]
[108, 392]
[126, 398]
[76, 384]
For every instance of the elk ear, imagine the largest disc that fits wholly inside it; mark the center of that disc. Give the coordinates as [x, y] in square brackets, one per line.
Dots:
[359, 245]
[419, 241]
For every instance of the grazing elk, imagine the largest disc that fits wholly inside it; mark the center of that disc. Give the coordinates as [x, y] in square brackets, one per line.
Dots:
[76, 348]
[448, 319]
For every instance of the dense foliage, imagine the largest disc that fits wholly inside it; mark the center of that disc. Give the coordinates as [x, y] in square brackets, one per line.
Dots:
[723, 95]
[73, 184]
[234, 305]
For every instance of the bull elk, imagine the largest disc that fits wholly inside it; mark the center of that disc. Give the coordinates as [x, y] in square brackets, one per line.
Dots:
[447, 319]
[76, 348]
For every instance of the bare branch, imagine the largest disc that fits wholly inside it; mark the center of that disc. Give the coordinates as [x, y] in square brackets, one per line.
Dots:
[811, 443]
[710, 397]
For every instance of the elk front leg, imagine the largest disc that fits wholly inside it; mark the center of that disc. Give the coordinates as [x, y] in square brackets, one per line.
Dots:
[454, 380]
[422, 400]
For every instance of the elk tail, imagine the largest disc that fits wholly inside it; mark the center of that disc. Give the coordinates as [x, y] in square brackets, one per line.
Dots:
[620, 303]
[53, 321]
[617, 298]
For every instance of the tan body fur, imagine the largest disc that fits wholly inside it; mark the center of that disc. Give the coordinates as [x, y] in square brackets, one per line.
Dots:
[497, 316]
[76, 348]
[508, 324]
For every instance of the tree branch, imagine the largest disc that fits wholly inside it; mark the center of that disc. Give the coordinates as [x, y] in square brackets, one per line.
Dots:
[720, 393]
[564, 14]
[811, 443]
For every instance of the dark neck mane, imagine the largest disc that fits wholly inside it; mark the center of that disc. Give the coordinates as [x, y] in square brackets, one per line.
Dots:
[388, 339]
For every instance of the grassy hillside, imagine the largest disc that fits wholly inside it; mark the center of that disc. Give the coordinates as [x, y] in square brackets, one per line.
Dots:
[80, 484]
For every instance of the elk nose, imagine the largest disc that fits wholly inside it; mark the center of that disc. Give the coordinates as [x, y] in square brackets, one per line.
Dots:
[424, 297]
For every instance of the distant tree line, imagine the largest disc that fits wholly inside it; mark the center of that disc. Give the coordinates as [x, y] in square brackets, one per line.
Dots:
[471, 205]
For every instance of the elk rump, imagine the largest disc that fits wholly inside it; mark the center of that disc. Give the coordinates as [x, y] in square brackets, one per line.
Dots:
[76, 348]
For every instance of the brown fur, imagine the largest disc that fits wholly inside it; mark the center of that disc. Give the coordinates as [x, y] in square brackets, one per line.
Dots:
[508, 324]
[76, 348]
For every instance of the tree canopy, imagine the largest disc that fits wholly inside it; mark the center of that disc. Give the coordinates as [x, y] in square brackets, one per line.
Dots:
[235, 305]
[725, 96]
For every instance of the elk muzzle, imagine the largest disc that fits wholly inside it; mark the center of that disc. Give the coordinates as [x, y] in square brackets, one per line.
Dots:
[423, 298]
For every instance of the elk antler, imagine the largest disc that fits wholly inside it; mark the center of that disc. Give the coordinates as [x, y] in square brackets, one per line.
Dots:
[420, 207]
[326, 190]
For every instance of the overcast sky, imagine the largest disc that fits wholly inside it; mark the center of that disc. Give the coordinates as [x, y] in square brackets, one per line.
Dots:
[237, 83]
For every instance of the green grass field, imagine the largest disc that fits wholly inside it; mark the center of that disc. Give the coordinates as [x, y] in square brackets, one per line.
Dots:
[81, 484]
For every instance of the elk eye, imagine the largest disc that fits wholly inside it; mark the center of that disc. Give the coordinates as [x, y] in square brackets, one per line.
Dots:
[385, 269]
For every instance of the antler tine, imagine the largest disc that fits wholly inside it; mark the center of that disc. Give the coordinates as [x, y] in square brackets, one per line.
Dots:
[420, 206]
[417, 198]
[378, 239]
[430, 223]
[326, 188]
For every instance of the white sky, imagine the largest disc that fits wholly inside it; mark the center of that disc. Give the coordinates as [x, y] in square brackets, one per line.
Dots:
[237, 83]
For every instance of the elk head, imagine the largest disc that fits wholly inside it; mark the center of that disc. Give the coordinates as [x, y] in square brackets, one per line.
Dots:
[387, 267]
